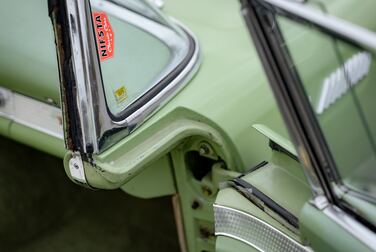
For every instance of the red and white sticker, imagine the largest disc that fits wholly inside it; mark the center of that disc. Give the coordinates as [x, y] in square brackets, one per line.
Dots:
[104, 34]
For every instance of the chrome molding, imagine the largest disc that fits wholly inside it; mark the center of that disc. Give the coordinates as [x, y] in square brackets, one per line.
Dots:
[158, 3]
[244, 227]
[98, 128]
[29, 112]
[343, 29]
[89, 95]
[336, 84]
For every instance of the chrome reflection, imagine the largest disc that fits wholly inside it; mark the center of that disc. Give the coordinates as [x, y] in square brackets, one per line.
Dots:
[29, 112]
[336, 84]
[94, 130]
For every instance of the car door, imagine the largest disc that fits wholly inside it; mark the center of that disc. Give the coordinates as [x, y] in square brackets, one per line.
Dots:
[322, 72]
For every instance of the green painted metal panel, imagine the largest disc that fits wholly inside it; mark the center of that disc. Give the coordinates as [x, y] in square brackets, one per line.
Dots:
[245, 80]
[227, 96]
[37, 139]
[282, 180]
[4, 126]
[28, 62]
[148, 183]
[326, 235]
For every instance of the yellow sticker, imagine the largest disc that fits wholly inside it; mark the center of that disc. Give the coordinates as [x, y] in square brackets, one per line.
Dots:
[120, 94]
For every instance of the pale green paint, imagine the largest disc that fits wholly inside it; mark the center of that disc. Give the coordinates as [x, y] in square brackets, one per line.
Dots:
[32, 137]
[241, 93]
[228, 95]
[280, 180]
[28, 62]
[37, 139]
[275, 137]
[145, 185]
[191, 190]
[4, 126]
[326, 235]
[230, 72]
[134, 152]
[148, 183]
[242, 96]
[28, 66]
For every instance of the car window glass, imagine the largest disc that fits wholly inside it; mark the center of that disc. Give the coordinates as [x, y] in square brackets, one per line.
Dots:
[137, 48]
[338, 80]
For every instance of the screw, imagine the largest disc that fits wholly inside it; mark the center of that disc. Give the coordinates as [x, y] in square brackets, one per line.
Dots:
[204, 149]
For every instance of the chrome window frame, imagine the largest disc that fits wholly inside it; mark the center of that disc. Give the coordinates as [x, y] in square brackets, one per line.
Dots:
[309, 141]
[87, 113]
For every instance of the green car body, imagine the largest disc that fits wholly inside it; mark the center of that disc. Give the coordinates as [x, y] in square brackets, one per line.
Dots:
[221, 124]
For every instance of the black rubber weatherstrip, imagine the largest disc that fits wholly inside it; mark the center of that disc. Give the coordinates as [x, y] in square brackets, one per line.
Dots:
[275, 146]
[72, 130]
[254, 168]
[253, 191]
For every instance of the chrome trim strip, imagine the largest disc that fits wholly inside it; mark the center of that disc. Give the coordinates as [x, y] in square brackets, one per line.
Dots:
[335, 85]
[94, 119]
[158, 3]
[341, 28]
[253, 231]
[87, 75]
[32, 113]
[352, 226]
